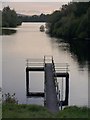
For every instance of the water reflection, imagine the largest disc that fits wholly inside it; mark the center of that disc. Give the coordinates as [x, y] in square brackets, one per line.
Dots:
[78, 50]
[29, 42]
[8, 31]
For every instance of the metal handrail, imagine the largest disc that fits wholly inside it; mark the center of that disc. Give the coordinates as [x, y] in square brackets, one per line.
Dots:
[56, 83]
[62, 67]
[35, 59]
[34, 62]
[47, 59]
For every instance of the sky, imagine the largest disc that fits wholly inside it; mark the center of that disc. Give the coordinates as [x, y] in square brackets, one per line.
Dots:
[34, 0]
[36, 7]
[32, 7]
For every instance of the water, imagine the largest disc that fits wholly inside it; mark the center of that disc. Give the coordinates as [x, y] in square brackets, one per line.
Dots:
[29, 42]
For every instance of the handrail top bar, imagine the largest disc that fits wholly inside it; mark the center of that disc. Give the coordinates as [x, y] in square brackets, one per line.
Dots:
[60, 63]
[34, 59]
[48, 56]
[60, 68]
[35, 63]
[41, 62]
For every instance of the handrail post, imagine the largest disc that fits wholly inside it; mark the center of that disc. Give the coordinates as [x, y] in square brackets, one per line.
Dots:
[67, 68]
[44, 60]
[27, 62]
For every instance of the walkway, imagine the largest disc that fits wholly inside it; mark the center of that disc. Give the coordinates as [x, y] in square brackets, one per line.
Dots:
[51, 95]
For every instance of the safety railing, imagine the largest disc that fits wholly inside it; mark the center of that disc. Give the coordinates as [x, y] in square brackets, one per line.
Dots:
[35, 62]
[56, 83]
[61, 67]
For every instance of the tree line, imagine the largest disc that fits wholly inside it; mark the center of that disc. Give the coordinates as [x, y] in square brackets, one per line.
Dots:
[72, 21]
[34, 18]
[72, 24]
[11, 19]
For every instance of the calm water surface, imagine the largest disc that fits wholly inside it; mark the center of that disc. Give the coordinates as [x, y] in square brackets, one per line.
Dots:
[29, 42]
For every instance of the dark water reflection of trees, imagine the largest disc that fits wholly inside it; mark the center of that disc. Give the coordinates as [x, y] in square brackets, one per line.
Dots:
[79, 50]
[8, 31]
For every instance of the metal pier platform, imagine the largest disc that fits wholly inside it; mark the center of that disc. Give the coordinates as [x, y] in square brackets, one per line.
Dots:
[51, 93]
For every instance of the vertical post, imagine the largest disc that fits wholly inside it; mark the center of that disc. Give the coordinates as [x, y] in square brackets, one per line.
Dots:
[66, 68]
[27, 81]
[67, 89]
[27, 62]
[44, 83]
[62, 95]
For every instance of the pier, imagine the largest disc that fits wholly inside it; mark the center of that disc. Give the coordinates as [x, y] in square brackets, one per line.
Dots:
[52, 94]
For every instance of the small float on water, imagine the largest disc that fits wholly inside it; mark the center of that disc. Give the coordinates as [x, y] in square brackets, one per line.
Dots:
[42, 28]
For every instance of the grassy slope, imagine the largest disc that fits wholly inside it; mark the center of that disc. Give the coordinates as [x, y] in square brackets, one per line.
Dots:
[34, 111]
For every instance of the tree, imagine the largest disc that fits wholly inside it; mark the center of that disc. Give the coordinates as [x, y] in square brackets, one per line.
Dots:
[71, 22]
[9, 17]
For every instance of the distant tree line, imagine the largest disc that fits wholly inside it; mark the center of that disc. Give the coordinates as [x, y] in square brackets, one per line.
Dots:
[72, 21]
[34, 18]
[10, 18]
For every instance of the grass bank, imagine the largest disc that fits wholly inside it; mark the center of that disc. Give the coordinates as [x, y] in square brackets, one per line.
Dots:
[35, 111]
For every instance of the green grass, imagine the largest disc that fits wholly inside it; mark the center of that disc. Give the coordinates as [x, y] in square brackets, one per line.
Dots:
[0, 110]
[24, 111]
[35, 111]
[74, 112]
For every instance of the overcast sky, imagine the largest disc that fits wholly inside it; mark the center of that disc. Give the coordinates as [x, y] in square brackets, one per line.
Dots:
[30, 8]
[34, 0]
